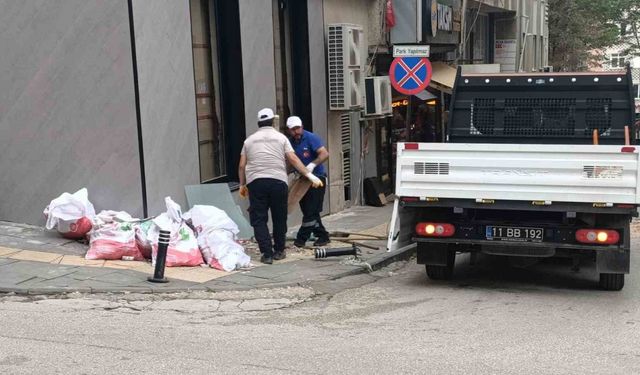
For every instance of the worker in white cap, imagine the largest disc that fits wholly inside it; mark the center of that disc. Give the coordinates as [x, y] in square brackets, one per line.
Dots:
[311, 151]
[262, 173]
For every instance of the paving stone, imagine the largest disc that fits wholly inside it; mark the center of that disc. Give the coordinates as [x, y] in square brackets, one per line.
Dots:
[124, 277]
[36, 256]
[7, 261]
[5, 251]
[76, 260]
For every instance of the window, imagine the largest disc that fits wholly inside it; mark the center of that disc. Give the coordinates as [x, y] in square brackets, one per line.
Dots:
[617, 60]
[207, 83]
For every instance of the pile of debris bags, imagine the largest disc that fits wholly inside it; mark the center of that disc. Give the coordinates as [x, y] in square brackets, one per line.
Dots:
[205, 234]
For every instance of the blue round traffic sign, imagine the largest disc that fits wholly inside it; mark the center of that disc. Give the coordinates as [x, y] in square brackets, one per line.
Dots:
[410, 75]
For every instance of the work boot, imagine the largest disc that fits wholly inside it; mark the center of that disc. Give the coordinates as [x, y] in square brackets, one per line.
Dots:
[279, 255]
[299, 243]
[321, 242]
[266, 260]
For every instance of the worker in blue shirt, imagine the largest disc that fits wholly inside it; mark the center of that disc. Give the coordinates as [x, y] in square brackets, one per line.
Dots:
[311, 151]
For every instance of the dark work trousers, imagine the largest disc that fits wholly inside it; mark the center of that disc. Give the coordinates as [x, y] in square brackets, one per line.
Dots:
[311, 206]
[268, 194]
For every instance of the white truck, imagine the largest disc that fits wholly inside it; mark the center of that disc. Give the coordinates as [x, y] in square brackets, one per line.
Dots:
[521, 175]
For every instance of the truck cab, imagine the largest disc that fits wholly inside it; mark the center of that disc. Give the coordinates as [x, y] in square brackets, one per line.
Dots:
[536, 165]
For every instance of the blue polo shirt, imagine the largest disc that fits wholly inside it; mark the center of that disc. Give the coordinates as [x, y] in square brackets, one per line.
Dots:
[307, 150]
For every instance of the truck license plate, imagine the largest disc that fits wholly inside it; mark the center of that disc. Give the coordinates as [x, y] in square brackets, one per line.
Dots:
[517, 234]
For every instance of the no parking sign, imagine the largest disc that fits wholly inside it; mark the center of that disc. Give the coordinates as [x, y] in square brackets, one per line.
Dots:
[410, 75]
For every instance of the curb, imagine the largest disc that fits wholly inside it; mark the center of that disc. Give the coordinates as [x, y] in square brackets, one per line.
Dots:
[377, 262]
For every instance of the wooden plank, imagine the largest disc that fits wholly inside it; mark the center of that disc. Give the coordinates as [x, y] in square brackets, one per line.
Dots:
[297, 190]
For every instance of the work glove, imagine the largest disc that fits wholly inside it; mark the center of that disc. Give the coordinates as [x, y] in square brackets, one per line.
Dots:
[244, 191]
[311, 167]
[315, 181]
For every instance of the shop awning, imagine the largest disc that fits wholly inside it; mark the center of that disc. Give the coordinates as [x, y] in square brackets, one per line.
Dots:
[443, 77]
[425, 95]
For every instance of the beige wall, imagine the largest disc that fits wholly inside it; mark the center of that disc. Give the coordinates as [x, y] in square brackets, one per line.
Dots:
[354, 12]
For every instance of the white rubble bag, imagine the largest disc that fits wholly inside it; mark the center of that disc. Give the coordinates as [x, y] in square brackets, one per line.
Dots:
[183, 245]
[142, 238]
[71, 214]
[113, 237]
[217, 235]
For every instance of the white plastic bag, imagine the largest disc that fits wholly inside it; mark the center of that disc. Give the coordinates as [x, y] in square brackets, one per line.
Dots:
[142, 238]
[183, 246]
[113, 237]
[217, 238]
[71, 214]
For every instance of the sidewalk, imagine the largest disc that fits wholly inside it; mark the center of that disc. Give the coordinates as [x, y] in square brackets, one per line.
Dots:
[34, 261]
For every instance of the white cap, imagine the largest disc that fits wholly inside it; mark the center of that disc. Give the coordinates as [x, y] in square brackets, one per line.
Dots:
[293, 121]
[265, 114]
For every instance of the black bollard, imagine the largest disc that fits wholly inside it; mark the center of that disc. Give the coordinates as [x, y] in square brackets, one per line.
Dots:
[161, 258]
[336, 252]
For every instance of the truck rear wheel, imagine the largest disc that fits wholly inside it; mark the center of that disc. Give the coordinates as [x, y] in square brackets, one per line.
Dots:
[612, 281]
[442, 272]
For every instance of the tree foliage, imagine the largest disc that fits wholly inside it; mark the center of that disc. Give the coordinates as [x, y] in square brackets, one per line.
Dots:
[629, 13]
[579, 29]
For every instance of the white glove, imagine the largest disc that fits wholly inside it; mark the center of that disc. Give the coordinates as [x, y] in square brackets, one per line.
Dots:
[310, 167]
[315, 181]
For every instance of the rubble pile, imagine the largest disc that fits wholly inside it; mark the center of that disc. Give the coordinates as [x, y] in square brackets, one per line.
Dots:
[202, 235]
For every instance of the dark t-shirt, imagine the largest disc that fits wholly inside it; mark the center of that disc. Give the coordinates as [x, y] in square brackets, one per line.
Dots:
[307, 150]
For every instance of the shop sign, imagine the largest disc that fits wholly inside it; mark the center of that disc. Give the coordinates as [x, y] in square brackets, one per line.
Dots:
[434, 17]
[441, 17]
[445, 17]
[400, 103]
[410, 51]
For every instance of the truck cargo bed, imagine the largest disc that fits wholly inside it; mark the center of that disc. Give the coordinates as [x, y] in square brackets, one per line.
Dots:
[551, 173]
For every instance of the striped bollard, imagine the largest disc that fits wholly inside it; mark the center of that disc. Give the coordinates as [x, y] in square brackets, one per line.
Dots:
[336, 252]
[161, 258]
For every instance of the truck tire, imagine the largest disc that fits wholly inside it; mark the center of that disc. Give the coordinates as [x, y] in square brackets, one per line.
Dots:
[442, 272]
[612, 281]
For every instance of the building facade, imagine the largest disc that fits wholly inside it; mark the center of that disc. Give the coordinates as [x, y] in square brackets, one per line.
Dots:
[134, 99]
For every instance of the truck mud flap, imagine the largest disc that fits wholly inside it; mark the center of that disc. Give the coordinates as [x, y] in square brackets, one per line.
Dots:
[433, 254]
[613, 261]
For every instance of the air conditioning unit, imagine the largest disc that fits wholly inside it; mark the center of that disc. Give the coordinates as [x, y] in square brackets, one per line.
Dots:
[377, 97]
[345, 50]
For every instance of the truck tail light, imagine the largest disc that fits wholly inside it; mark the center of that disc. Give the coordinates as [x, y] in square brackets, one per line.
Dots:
[411, 146]
[435, 229]
[598, 236]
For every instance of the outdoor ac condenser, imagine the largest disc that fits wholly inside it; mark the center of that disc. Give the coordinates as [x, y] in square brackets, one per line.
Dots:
[345, 62]
[377, 96]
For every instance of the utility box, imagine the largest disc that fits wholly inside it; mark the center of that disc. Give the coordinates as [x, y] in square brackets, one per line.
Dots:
[377, 96]
[345, 53]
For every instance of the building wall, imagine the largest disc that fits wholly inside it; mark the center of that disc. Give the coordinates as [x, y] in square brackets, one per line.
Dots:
[256, 33]
[67, 109]
[167, 99]
[354, 12]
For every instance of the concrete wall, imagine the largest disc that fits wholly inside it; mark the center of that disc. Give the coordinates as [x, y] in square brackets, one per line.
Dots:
[256, 34]
[355, 12]
[167, 99]
[67, 109]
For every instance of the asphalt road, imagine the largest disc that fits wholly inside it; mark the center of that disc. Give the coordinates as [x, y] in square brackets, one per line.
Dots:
[491, 319]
